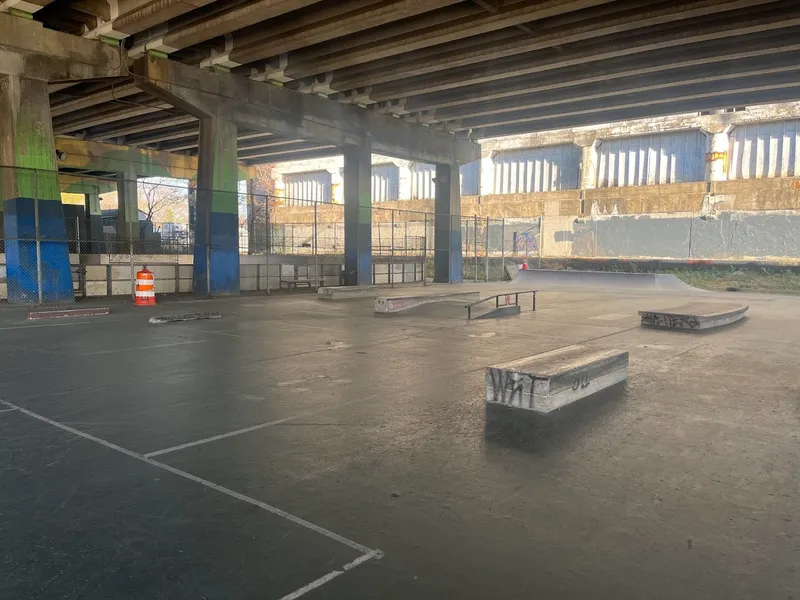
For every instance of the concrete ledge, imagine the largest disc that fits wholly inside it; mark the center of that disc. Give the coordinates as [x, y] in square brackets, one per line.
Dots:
[401, 303]
[184, 317]
[64, 314]
[695, 316]
[341, 292]
[545, 382]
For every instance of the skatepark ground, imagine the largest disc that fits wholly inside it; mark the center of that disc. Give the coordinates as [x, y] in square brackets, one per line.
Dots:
[304, 448]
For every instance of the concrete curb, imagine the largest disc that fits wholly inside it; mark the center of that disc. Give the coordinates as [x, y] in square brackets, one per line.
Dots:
[185, 317]
[67, 313]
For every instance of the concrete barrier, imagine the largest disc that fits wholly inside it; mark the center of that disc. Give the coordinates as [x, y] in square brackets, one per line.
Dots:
[546, 382]
[695, 316]
[401, 303]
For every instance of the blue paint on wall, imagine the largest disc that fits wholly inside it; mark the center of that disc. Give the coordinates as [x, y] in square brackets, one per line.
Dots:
[20, 238]
[222, 254]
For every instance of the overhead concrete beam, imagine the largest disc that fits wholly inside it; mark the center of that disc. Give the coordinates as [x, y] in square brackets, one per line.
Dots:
[353, 50]
[731, 72]
[111, 158]
[128, 17]
[352, 16]
[612, 115]
[300, 155]
[705, 90]
[295, 148]
[577, 54]
[291, 114]
[90, 99]
[596, 22]
[239, 16]
[479, 23]
[26, 6]
[111, 113]
[131, 126]
[705, 53]
[27, 48]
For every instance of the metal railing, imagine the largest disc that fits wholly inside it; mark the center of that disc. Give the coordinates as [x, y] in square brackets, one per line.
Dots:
[506, 297]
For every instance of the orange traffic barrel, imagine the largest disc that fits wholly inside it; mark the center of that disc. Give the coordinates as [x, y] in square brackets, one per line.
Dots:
[145, 288]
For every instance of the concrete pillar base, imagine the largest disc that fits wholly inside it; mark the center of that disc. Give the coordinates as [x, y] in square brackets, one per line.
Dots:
[447, 226]
[358, 215]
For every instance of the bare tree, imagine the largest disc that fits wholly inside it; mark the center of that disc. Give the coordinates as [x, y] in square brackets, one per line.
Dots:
[159, 197]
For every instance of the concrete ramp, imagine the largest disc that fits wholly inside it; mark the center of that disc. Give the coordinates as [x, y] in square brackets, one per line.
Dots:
[546, 382]
[695, 316]
[400, 303]
[605, 280]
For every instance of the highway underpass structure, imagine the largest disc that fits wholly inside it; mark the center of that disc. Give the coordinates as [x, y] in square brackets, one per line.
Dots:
[229, 84]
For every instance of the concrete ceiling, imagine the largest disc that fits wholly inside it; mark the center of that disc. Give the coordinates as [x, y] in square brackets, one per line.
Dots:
[479, 68]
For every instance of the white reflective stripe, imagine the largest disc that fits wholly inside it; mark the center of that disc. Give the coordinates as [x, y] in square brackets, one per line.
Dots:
[145, 282]
[143, 294]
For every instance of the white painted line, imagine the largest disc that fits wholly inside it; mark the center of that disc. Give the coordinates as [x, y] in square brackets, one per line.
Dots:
[144, 347]
[204, 482]
[8, 410]
[221, 436]
[332, 575]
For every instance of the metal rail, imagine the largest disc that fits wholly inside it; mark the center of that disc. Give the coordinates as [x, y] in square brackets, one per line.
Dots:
[497, 297]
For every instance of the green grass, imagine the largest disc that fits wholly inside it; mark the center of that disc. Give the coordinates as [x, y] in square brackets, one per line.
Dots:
[766, 281]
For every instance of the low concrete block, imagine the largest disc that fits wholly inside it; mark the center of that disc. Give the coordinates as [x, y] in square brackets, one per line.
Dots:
[401, 303]
[546, 382]
[695, 316]
[340, 292]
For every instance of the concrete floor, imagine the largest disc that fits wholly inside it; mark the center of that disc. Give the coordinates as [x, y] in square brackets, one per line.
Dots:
[371, 433]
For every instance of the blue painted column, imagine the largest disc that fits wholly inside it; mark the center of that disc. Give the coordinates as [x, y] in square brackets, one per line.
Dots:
[216, 245]
[37, 250]
[358, 214]
[447, 225]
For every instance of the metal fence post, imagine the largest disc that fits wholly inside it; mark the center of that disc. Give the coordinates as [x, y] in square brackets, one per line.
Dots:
[391, 255]
[268, 238]
[425, 250]
[40, 295]
[475, 243]
[541, 240]
[486, 249]
[314, 243]
[130, 262]
[502, 248]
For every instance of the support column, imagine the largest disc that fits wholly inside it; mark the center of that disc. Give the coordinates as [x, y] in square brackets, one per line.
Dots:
[447, 225]
[589, 166]
[37, 253]
[94, 223]
[216, 240]
[405, 179]
[128, 206]
[487, 175]
[358, 214]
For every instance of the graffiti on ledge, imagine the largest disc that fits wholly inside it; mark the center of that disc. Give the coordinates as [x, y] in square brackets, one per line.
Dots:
[511, 388]
[654, 319]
